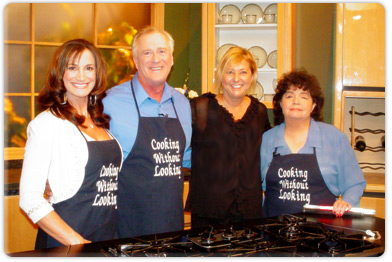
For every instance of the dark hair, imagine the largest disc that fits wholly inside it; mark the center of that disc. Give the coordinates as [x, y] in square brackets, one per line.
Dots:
[53, 92]
[303, 80]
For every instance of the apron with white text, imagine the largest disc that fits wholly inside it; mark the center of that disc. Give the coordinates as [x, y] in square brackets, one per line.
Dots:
[151, 183]
[92, 211]
[292, 181]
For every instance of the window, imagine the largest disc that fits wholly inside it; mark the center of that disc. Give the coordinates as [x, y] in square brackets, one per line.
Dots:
[33, 31]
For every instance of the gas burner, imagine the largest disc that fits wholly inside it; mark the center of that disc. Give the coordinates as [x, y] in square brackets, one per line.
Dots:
[339, 244]
[207, 238]
[152, 248]
[332, 244]
[293, 219]
[292, 232]
[248, 233]
[292, 228]
[229, 234]
[217, 239]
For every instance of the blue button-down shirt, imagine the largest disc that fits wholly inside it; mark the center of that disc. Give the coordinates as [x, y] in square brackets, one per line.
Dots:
[119, 104]
[338, 164]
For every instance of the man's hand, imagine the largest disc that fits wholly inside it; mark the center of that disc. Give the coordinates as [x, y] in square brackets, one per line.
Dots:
[48, 191]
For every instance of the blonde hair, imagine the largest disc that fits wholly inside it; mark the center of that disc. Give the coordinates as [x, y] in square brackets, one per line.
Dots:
[235, 55]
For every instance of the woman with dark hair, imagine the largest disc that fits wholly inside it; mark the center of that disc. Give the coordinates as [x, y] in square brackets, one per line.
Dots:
[303, 160]
[68, 147]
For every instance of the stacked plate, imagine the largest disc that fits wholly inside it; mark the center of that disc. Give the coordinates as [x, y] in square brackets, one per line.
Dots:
[229, 14]
[222, 50]
[250, 14]
[272, 59]
[259, 55]
[258, 92]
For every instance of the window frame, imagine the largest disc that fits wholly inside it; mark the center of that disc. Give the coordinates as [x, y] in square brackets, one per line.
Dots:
[157, 19]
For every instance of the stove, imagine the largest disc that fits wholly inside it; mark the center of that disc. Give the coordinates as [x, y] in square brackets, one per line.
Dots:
[288, 235]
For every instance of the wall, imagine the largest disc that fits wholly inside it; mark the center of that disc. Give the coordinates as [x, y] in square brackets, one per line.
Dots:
[315, 47]
[183, 22]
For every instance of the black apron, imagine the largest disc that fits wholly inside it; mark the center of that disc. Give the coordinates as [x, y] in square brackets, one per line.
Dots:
[92, 211]
[292, 181]
[151, 183]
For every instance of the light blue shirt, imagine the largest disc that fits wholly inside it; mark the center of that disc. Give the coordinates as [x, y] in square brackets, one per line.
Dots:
[338, 164]
[120, 105]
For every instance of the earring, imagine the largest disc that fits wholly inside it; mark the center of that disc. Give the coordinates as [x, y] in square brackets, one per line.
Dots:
[64, 99]
[93, 100]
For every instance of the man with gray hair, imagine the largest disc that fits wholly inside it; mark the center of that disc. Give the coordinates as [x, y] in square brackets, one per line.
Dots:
[152, 122]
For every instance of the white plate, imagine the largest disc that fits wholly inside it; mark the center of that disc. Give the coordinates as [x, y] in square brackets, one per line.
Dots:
[272, 59]
[252, 9]
[258, 92]
[222, 50]
[230, 10]
[272, 9]
[271, 13]
[259, 54]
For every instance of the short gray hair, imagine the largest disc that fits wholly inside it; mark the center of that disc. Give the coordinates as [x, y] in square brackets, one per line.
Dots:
[150, 30]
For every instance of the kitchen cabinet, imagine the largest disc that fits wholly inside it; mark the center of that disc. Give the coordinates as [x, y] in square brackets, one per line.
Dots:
[187, 215]
[363, 45]
[360, 87]
[359, 50]
[19, 231]
[375, 203]
[277, 35]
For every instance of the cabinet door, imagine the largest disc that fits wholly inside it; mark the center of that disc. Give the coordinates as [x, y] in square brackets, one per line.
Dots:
[364, 45]
[268, 35]
[377, 204]
[359, 50]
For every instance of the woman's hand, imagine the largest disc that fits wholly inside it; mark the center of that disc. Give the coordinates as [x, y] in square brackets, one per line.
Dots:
[340, 206]
[59, 230]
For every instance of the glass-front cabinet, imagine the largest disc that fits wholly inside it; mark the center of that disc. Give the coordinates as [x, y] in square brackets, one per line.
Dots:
[32, 33]
[263, 28]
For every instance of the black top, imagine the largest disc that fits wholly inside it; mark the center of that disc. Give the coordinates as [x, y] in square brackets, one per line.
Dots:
[225, 177]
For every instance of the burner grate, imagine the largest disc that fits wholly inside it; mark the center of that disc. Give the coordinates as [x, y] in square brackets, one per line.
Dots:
[287, 236]
[155, 248]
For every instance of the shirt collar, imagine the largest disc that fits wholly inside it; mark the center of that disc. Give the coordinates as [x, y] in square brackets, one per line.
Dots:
[279, 142]
[313, 139]
[314, 134]
[141, 94]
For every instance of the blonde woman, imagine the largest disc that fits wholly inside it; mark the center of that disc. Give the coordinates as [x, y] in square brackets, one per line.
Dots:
[225, 184]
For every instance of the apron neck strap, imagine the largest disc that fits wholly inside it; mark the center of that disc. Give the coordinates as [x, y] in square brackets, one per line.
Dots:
[137, 106]
[134, 97]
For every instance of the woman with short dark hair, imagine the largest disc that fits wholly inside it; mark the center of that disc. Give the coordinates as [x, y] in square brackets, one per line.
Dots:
[303, 160]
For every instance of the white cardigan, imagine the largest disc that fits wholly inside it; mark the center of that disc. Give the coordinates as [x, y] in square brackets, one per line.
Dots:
[55, 151]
